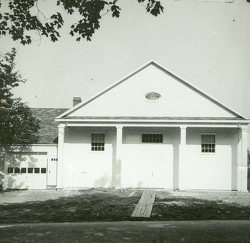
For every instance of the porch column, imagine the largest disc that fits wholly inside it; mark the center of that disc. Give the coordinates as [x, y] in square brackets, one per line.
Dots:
[61, 129]
[118, 156]
[183, 135]
[242, 163]
[182, 157]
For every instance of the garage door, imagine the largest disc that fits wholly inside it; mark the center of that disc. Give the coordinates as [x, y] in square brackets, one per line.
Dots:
[147, 166]
[26, 170]
[85, 168]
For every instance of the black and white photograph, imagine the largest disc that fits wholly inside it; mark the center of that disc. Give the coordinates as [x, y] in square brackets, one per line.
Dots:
[124, 121]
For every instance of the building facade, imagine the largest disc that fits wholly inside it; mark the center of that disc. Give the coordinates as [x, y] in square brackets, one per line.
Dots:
[149, 130]
[152, 130]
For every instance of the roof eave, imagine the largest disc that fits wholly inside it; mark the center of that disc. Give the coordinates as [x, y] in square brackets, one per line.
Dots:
[182, 121]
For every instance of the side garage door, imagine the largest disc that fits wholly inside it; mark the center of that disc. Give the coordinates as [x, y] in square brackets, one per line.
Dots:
[147, 166]
[26, 170]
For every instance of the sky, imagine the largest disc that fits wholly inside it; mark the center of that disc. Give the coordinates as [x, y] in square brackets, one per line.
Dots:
[206, 43]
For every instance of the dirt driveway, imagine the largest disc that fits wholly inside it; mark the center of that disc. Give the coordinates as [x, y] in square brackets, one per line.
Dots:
[23, 196]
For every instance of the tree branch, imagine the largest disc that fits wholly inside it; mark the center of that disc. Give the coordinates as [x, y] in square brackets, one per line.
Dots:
[39, 11]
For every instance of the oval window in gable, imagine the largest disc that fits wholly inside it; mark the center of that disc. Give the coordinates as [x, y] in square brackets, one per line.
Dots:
[152, 96]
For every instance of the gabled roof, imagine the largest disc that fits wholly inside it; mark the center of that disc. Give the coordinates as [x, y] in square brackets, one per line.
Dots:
[48, 126]
[70, 111]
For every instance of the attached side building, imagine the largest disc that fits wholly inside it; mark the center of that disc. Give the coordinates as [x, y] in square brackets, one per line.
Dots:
[33, 166]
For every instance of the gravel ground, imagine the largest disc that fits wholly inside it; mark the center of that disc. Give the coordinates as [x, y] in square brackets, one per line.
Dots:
[22, 196]
[232, 197]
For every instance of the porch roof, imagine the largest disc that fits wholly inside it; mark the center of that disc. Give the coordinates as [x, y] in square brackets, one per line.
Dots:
[148, 118]
[171, 121]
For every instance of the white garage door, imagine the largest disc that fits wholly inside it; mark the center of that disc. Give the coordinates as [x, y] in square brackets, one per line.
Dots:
[147, 166]
[87, 169]
[26, 170]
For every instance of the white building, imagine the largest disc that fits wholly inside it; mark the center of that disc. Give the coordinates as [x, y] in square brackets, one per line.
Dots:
[149, 130]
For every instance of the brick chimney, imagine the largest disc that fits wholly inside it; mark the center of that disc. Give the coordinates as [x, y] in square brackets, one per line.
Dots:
[76, 101]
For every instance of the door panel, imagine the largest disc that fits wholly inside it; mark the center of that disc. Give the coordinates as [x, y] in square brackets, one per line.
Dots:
[52, 169]
[86, 168]
[147, 166]
[26, 170]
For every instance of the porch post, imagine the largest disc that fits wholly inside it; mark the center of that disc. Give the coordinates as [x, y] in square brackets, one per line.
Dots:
[182, 149]
[118, 156]
[183, 135]
[242, 166]
[60, 156]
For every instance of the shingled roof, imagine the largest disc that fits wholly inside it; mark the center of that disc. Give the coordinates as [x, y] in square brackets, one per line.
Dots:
[48, 127]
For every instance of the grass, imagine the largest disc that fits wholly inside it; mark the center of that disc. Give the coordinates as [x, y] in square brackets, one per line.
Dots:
[186, 208]
[116, 205]
[98, 206]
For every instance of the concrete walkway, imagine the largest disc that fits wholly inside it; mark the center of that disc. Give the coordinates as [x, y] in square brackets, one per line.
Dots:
[164, 231]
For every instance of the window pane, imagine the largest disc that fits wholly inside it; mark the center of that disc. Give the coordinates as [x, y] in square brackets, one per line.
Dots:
[30, 170]
[17, 170]
[208, 143]
[97, 141]
[10, 170]
[152, 138]
[37, 170]
[43, 170]
[23, 170]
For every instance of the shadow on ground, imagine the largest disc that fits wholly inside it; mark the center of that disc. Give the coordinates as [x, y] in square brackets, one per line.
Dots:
[88, 206]
[118, 205]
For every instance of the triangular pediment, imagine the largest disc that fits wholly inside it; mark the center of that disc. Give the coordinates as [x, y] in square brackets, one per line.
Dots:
[151, 91]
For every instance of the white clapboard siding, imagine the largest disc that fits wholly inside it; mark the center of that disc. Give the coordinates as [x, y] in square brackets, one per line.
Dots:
[128, 98]
[212, 170]
[83, 167]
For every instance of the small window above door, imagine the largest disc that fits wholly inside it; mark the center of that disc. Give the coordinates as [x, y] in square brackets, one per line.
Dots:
[152, 138]
[97, 141]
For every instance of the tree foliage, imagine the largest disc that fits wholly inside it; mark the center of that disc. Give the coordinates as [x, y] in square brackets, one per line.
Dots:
[17, 124]
[18, 20]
